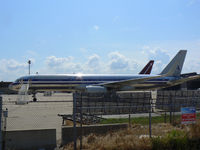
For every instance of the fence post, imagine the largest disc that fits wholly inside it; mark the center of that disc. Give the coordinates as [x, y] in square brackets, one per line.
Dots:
[1, 123]
[150, 109]
[129, 115]
[81, 115]
[170, 114]
[5, 115]
[74, 119]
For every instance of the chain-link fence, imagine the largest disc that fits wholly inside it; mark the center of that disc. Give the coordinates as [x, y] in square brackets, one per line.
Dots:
[145, 108]
[163, 103]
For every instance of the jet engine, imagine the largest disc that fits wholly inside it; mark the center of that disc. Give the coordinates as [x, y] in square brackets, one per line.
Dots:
[95, 89]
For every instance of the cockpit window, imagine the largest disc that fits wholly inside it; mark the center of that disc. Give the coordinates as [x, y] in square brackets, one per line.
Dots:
[18, 80]
[21, 79]
[25, 78]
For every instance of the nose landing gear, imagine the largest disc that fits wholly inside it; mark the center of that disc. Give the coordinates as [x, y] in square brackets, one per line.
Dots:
[34, 97]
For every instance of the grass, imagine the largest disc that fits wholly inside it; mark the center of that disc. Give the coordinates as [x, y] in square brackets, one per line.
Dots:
[167, 137]
[176, 119]
[176, 139]
[141, 120]
[124, 139]
[179, 139]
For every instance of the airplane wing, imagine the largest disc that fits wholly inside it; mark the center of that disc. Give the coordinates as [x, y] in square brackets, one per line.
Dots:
[137, 81]
[182, 80]
[130, 82]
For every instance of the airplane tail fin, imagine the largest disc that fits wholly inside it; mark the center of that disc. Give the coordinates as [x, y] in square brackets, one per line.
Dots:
[147, 69]
[174, 68]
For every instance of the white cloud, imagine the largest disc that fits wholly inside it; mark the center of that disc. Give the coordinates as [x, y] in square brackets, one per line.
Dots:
[10, 69]
[114, 62]
[11, 65]
[53, 61]
[117, 61]
[191, 65]
[160, 57]
[61, 65]
[96, 27]
[94, 61]
[94, 64]
[121, 64]
[68, 65]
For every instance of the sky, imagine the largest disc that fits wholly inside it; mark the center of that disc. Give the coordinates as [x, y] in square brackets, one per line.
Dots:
[96, 36]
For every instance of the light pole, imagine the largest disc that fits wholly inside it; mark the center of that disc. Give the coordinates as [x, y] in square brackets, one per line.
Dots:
[29, 66]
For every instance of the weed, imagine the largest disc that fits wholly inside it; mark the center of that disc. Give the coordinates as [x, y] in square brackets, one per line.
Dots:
[166, 137]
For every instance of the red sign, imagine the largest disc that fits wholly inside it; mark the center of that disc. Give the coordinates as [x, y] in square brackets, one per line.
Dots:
[188, 115]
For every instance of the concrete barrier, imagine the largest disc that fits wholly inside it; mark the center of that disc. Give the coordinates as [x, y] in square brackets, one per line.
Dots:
[67, 132]
[31, 139]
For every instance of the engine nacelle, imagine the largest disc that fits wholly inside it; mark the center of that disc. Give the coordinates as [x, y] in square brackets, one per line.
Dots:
[95, 89]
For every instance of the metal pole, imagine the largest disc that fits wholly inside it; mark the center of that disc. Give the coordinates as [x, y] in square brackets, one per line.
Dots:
[81, 123]
[5, 115]
[29, 67]
[150, 109]
[129, 115]
[0, 123]
[150, 122]
[170, 115]
[165, 117]
[74, 119]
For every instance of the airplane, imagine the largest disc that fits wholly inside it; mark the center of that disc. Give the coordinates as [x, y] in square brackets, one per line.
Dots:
[23, 89]
[170, 76]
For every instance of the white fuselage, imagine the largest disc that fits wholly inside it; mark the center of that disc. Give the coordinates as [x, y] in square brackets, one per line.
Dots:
[73, 82]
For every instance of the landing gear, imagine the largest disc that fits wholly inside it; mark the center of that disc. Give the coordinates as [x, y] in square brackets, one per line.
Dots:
[34, 97]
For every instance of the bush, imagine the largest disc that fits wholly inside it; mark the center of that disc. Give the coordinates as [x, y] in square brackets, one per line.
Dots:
[176, 140]
[185, 138]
